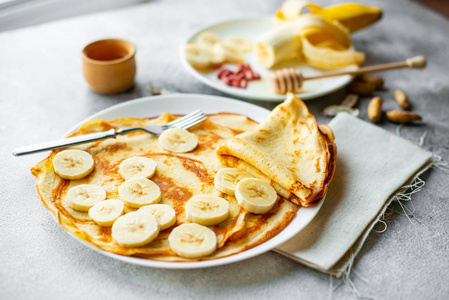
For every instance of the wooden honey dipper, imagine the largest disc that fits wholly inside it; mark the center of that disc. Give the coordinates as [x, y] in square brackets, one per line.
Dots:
[291, 80]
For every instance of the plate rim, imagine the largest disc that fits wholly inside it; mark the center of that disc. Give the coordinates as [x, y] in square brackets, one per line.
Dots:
[309, 212]
[272, 98]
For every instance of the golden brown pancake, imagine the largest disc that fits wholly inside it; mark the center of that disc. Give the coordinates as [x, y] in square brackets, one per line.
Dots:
[179, 176]
[288, 150]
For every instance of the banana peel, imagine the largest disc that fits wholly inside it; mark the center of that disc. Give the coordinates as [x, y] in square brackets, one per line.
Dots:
[326, 28]
[324, 33]
[329, 58]
[320, 42]
[353, 16]
[323, 48]
[291, 9]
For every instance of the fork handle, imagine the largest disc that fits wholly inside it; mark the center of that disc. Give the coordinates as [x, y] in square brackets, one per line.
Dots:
[65, 142]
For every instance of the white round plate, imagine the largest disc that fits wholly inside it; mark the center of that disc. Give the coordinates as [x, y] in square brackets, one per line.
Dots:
[183, 104]
[252, 29]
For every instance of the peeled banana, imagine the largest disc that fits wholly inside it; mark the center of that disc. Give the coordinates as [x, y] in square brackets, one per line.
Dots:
[138, 192]
[82, 197]
[165, 214]
[280, 44]
[137, 167]
[322, 43]
[207, 209]
[255, 195]
[323, 34]
[135, 229]
[192, 240]
[73, 164]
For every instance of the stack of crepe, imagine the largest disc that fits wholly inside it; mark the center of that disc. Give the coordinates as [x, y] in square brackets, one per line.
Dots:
[289, 150]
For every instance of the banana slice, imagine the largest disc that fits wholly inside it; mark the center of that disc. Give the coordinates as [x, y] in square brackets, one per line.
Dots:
[192, 240]
[255, 195]
[207, 210]
[138, 192]
[208, 39]
[229, 54]
[178, 140]
[106, 212]
[82, 197]
[238, 44]
[135, 229]
[199, 56]
[73, 164]
[165, 214]
[137, 167]
[226, 180]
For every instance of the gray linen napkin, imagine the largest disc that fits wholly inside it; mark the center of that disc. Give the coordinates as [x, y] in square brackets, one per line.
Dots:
[373, 167]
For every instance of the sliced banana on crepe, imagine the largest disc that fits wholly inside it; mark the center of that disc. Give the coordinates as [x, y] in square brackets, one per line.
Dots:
[137, 167]
[138, 192]
[178, 140]
[192, 240]
[165, 214]
[135, 229]
[82, 197]
[106, 212]
[255, 195]
[73, 164]
[208, 39]
[238, 44]
[206, 209]
[226, 180]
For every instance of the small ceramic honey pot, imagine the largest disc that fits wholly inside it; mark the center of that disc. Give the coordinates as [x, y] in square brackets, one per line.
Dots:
[109, 65]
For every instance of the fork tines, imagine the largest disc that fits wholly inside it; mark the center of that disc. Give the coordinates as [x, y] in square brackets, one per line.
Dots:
[187, 121]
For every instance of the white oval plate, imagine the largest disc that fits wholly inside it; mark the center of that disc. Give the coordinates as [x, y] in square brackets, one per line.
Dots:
[252, 29]
[183, 104]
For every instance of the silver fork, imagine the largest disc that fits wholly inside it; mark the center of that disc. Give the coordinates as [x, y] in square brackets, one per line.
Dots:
[185, 122]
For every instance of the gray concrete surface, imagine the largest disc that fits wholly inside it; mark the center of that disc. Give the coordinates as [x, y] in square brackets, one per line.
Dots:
[43, 94]
[16, 14]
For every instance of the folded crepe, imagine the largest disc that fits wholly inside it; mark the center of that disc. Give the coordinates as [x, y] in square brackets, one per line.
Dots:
[289, 150]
